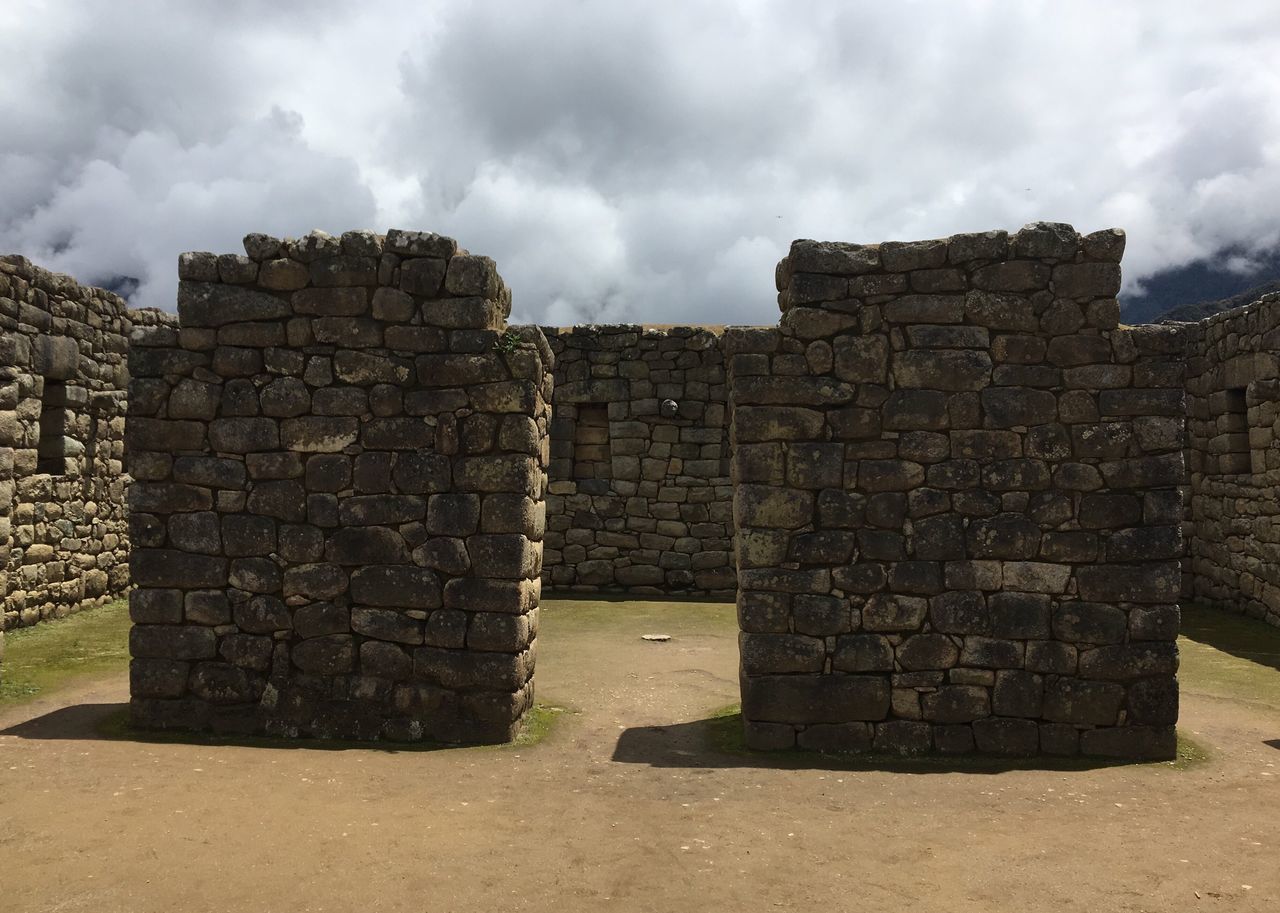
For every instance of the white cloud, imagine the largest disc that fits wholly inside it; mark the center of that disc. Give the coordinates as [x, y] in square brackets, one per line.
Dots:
[638, 162]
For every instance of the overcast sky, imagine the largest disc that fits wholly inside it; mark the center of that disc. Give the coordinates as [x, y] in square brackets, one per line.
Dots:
[640, 162]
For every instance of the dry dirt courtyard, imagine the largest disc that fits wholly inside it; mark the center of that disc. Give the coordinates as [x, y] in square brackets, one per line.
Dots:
[637, 801]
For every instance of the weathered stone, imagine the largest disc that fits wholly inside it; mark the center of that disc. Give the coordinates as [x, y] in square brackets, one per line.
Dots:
[815, 698]
[205, 304]
[927, 651]
[769, 654]
[1069, 700]
[956, 704]
[387, 625]
[886, 612]
[396, 585]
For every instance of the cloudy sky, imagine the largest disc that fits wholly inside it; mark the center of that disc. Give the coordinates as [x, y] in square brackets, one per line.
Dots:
[641, 162]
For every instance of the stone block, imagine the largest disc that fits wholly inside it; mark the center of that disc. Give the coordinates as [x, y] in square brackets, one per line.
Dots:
[800, 699]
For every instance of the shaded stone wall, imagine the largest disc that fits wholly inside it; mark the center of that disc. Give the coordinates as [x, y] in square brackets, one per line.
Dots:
[642, 504]
[63, 346]
[1233, 456]
[957, 501]
[337, 513]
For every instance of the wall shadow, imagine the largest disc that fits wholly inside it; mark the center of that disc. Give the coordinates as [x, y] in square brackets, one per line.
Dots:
[717, 742]
[1241, 636]
[109, 722]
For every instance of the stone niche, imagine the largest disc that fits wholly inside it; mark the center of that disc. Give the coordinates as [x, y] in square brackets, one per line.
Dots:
[338, 508]
[957, 501]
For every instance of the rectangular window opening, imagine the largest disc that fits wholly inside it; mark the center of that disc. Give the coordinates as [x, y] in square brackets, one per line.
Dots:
[51, 455]
[591, 458]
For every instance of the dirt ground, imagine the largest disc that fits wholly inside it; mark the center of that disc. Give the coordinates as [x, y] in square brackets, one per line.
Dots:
[627, 805]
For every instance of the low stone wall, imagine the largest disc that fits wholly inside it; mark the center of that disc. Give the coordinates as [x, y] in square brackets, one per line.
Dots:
[639, 498]
[1233, 455]
[63, 348]
[339, 464]
[957, 502]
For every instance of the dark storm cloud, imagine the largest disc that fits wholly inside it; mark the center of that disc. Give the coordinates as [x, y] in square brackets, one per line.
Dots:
[643, 162]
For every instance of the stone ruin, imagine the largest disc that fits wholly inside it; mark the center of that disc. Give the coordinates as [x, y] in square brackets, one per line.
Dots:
[339, 464]
[63, 519]
[958, 503]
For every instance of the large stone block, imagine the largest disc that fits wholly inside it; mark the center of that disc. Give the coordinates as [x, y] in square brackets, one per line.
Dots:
[205, 304]
[815, 698]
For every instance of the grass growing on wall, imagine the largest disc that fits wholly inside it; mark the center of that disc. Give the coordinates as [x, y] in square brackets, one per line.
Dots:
[39, 659]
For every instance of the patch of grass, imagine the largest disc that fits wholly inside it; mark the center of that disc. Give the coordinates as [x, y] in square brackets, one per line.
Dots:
[48, 655]
[1229, 656]
[1190, 753]
[538, 724]
[724, 728]
[626, 616]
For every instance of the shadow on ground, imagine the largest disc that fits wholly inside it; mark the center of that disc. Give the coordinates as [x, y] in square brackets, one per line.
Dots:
[716, 742]
[1239, 635]
[109, 722]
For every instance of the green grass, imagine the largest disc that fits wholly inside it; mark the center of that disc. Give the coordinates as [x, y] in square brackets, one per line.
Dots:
[1229, 656]
[539, 723]
[45, 657]
[595, 614]
[1190, 753]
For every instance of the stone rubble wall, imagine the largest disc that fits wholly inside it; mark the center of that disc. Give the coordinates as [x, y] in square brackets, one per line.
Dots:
[339, 465]
[661, 519]
[957, 501]
[1233, 457]
[63, 520]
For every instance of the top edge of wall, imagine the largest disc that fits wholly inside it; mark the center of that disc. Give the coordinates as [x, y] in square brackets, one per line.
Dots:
[319, 244]
[648, 329]
[60, 286]
[1035, 241]
[1235, 313]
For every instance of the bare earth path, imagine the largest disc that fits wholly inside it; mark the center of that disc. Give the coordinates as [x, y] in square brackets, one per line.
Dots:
[624, 808]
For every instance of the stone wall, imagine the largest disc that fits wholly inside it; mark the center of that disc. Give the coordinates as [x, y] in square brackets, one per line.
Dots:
[339, 467]
[639, 494]
[63, 346]
[1233, 456]
[957, 501]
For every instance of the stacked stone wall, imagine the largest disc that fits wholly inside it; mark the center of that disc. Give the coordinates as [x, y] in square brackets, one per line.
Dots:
[63, 373]
[957, 501]
[656, 516]
[339, 466]
[1233, 457]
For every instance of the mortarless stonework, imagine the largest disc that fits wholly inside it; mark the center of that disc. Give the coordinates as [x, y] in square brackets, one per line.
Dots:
[1233, 456]
[339, 466]
[657, 516]
[63, 522]
[957, 485]
[957, 502]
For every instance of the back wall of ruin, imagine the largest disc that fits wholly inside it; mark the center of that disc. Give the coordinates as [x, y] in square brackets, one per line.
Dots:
[1233, 454]
[639, 498]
